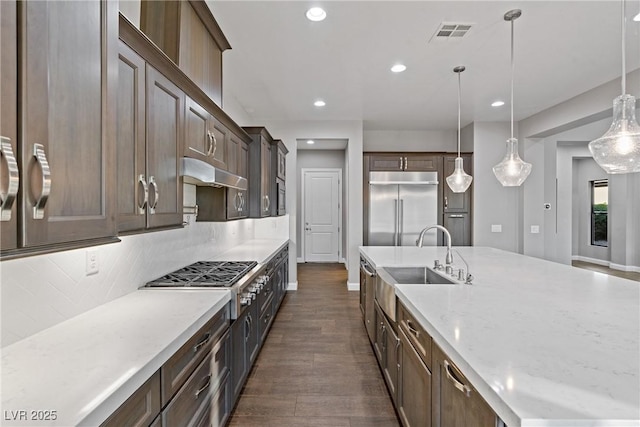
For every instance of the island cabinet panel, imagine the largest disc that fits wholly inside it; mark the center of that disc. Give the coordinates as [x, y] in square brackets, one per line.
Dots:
[141, 408]
[68, 69]
[455, 402]
[379, 337]
[165, 117]
[414, 387]
[419, 338]
[9, 124]
[391, 357]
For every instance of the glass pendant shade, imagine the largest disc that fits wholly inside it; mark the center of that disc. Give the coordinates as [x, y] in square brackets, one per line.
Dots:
[459, 180]
[618, 150]
[512, 171]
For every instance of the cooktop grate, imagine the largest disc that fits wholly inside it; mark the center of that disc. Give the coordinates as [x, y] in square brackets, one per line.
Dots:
[207, 274]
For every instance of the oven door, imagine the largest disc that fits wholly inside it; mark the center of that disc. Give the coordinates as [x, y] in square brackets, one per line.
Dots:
[282, 208]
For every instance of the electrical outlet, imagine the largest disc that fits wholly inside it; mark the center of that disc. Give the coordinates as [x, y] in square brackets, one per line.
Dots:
[93, 265]
[496, 228]
[535, 229]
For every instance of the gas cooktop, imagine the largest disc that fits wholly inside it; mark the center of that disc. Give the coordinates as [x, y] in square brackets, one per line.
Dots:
[206, 274]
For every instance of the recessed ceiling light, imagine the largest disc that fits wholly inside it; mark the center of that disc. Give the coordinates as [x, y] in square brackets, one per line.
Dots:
[316, 14]
[319, 103]
[637, 18]
[311, 141]
[398, 68]
[497, 103]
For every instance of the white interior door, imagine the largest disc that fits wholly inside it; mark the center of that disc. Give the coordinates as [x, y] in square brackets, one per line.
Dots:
[322, 213]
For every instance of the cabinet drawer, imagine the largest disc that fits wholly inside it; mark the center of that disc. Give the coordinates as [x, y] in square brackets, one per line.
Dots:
[195, 393]
[266, 318]
[141, 408]
[177, 369]
[221, 359]
[217, 412]
[265, 296]
[416, 334]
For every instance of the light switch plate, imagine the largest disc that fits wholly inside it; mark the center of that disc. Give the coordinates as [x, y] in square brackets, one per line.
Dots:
[496, 228]
[93, 265]
[535, 229]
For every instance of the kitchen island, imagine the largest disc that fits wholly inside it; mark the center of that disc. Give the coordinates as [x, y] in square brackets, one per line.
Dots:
[544, 344]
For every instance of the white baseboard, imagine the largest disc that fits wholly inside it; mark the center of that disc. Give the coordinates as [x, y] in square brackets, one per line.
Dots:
[597, 261]
[606, 263]
[292, 286]
[300, 260]
[624, 267]
[353, 286]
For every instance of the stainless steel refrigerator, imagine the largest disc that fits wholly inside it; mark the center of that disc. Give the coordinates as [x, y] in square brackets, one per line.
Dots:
[401, 204]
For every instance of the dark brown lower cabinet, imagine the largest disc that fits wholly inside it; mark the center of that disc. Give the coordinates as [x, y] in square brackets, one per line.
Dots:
[414, 387]
[391, 357]
[141, 408]
[459, 225]
[455, 402]
[379, 336]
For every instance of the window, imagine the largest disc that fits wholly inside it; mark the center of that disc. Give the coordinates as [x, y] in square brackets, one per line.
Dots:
[599, 212]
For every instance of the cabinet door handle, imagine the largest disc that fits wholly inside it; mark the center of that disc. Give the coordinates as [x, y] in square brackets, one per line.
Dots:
[406, 163]
[214, 145]
[412, 329]
[156, 194]
[267, 203]
[236, 202]
[401, 164]
[209, 146]
[8, 197]
[242, 202]
[203, 342]
[204, 387]
[41, 160]
[397, 354]
[456, 382]
[143, 189]
[456, 216]
[446, 202]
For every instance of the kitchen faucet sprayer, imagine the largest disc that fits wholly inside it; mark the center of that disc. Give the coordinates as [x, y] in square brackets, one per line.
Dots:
[449, 257]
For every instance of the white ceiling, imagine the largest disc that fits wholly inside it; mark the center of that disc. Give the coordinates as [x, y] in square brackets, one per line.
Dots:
[280, 62]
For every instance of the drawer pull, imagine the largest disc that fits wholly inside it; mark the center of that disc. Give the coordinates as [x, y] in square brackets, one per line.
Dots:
[204, 387]
[143, 193]
[456, 216]
[203, 342]
[412, 329]
[456, 382]
[8, 197]
[156, 195]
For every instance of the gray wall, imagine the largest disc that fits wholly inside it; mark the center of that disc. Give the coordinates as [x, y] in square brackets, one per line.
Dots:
[407, 140]
[493, 204]
[334, 159]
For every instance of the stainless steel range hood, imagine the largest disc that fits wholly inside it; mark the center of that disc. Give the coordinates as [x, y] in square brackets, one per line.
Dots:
[200, 173]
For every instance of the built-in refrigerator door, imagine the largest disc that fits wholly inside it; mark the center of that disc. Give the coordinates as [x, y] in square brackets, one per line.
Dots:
[383, 215]
[418, 208]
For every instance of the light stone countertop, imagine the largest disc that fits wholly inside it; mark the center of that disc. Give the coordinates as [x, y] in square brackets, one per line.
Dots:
[545, 344]
[260, 250]
[86, 367]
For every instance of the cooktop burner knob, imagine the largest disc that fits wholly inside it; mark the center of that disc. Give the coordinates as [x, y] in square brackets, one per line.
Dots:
[245, 300]
[255, 289]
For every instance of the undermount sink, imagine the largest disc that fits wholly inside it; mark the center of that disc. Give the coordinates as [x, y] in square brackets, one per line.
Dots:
[418, 275]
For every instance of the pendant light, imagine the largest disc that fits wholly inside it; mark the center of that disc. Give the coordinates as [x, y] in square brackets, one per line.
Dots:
[512, 170]
[459, 180]
[618, 150]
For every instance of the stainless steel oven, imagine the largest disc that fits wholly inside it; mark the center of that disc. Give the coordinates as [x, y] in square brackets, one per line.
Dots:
[244, 279]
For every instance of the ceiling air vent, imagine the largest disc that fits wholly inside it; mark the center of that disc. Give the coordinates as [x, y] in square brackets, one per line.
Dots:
[451, 31]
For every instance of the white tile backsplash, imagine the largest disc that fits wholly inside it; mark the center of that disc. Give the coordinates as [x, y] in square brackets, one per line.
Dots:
[41, 291]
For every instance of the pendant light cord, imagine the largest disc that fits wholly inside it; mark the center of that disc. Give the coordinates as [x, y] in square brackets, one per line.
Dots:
[624, 62]
[458, 114]
[512, 72]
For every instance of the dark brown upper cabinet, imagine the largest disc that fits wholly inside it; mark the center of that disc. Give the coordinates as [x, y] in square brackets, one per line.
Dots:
[260, 199]
[405, 162]
[150, 135]
[188, 34]
[279, 174]
[206, 138]
[66, 95]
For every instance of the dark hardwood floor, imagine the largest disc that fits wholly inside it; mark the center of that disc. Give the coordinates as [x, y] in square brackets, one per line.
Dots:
[316, 367]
